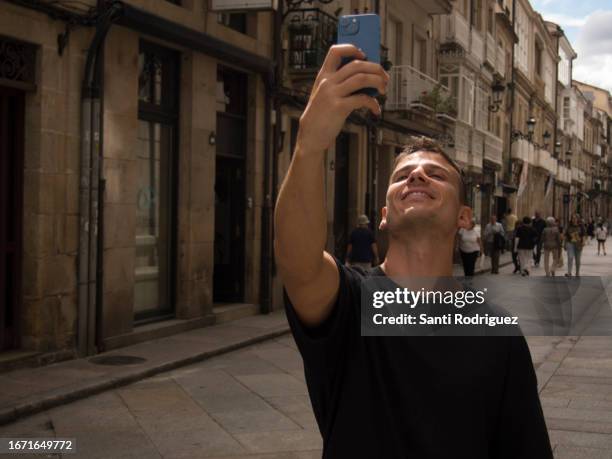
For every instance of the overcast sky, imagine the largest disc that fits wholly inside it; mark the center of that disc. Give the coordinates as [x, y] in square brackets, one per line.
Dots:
[588, 25]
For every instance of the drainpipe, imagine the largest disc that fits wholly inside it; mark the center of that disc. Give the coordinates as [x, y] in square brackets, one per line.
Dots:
[278, 128]
[89, 196]
[512, 99]
[270, 167]
[266, 214]
[558, 36]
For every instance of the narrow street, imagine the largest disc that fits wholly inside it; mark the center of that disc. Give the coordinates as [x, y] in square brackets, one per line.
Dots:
[253, 403]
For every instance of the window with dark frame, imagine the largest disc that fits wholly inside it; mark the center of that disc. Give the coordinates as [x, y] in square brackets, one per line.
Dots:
[155, 201]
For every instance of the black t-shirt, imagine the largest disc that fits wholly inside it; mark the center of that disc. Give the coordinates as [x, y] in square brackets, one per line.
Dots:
[527, 237]
[361, 240]
[417, 397]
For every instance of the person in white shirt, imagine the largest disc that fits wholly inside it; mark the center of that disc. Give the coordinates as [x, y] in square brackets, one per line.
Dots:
[601, 233]
[470, 247]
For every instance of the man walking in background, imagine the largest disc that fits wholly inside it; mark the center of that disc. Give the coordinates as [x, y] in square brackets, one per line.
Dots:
[362, 250]
[538, 225]
[526, 238]
[494, 242]
[509, 227]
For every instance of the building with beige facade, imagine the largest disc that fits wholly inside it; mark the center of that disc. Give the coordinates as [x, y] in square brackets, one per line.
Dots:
[148, 141]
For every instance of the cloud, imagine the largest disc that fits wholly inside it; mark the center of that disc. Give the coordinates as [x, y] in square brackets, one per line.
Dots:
[565, 20]
[594, 48]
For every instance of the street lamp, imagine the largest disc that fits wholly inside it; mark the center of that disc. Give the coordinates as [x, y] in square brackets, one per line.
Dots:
[557, 149]
[568, 157]
[531, 122]
[498, 89]
[546, 136]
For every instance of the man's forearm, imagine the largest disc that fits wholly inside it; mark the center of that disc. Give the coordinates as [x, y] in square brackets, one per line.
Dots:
[300, 217]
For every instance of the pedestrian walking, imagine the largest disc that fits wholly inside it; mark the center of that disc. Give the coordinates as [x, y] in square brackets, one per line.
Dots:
[526, 239]
[514, 248]
[560, 250]
[470, 247]
[551, 243]
[590, 230]
[601, 233]
[362, 250]
[538, 225]
[509, 224]
[575, 234]
[494, 242]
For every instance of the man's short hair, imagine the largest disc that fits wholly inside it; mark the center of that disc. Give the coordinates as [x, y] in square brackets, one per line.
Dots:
[428, 145]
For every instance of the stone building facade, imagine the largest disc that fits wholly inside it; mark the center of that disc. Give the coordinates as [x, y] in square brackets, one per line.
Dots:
[142, 184]
[150, 140]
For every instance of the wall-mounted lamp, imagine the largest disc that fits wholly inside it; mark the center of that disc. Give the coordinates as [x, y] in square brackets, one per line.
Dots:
[212, 139]
[557, 149]
[531, 122]
[546, 136]
[498, 89]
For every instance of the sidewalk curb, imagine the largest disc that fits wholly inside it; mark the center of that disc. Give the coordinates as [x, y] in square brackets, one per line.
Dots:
[76, 392]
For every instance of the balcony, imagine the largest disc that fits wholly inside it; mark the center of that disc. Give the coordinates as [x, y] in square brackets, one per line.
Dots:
[462, 143]
[476, 152]
[475, 161]
[520, 150]
[544, 160]
[578, 176]
[311, 33]
[410, 89]
[455, 29]
[564, 174]
[494, 148]
[477, 49]
[524, 150]
[491, 51]
[500, 62]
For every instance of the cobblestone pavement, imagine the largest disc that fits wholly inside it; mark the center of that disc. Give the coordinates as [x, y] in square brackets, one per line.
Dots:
[253, 403]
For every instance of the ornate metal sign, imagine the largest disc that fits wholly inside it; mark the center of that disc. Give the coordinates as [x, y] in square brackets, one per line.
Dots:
[17, 64]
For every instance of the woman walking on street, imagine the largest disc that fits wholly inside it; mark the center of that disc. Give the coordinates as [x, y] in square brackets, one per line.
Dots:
[470, 248]
[551, 243]
[575, 235]
[601, 233]
[526, 239]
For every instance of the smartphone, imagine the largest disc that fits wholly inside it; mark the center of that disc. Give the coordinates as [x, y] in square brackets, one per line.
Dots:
[363, 31]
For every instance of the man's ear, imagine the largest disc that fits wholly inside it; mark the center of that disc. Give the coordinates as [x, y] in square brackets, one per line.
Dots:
[465, 216]
[383, 219]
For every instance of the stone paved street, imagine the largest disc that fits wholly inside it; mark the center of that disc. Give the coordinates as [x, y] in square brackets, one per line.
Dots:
[253, 403]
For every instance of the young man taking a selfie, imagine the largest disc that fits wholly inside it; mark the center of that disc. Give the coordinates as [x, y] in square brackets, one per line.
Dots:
[393, 397]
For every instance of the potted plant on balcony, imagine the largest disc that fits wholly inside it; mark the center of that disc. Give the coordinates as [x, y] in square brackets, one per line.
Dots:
[427, 101]
[447, 109]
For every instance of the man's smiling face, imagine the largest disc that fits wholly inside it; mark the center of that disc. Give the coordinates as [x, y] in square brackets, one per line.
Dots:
[424, 187]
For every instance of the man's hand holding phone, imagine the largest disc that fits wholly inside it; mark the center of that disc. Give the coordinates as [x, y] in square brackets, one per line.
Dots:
[332, 98]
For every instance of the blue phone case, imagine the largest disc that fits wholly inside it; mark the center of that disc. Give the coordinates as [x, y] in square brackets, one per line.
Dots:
[363, 31]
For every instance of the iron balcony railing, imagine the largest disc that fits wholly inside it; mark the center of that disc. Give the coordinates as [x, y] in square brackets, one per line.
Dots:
[311, 33]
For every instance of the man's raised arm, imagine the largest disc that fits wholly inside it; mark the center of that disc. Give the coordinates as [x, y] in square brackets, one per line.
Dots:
[309, 273]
